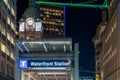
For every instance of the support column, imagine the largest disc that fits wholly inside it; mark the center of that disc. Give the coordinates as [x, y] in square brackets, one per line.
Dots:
[22, 74]
[29, 76]
[76, 62]
[72, 74]
[17, 69]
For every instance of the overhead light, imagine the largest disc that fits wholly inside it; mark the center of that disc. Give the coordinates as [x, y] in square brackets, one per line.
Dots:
[51, 73]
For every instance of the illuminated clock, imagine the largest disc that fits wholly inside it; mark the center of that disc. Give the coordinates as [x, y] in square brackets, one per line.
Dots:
[30, 21]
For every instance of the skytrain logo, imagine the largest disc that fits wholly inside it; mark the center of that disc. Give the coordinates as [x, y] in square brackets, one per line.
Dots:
[23, 63]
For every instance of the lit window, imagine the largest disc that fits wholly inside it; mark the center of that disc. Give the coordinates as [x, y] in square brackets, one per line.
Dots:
[44, 8]
[43, 18]
[53, 10]
[40, 8]
[12, 40]
[54, 23]
[3, 47]
[47, 16]
[3, 31]
[8, 20]
[62, 24]
[115, 25]
[53, 14]
[59, 14]
[12, 11]
[8, 36]
[56, 29]
[12, 56]
[56, 14]
[12, 26]
[16, 33]
[7, 51]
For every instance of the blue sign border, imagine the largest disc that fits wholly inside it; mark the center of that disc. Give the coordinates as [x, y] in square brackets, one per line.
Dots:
[44, 63]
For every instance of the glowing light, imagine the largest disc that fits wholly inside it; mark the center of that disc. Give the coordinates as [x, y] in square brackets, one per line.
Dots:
[51, 73]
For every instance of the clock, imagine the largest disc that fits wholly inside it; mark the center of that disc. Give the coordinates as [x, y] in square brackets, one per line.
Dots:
[30, 21]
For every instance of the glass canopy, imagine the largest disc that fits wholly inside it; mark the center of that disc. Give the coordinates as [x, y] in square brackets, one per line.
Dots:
[45, 45]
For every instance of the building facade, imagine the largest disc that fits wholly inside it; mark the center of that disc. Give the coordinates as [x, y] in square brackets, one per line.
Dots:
[98, 48]
[30, 24]
[7, 38]
[39, 57]
[109, 50]
[53, 20]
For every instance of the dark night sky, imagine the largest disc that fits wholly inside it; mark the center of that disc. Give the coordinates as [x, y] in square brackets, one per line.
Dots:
[81, 24]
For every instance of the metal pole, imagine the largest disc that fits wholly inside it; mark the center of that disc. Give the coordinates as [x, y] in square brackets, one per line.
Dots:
[73, 4]
[17, 70]
[76, 61]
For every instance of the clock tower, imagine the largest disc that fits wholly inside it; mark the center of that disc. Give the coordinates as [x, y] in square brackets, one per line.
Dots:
[30, 26]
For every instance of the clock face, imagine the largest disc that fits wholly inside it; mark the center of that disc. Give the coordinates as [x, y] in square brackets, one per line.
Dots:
[30, 21]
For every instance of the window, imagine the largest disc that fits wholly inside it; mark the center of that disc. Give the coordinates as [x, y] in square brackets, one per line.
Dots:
[3, 31]
[6, 2]
[11, 71]
[12, 11]
[8, 36]
[12, 56]
[7, 51]
[8, 69]
[3, 66]
[3, 47]
[8, 20]
[11, 40]
[12, 26]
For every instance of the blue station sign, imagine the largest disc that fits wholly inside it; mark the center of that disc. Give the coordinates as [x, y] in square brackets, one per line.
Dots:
[44, 63]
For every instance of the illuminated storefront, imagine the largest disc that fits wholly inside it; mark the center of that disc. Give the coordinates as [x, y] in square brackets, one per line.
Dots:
[49, 59]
